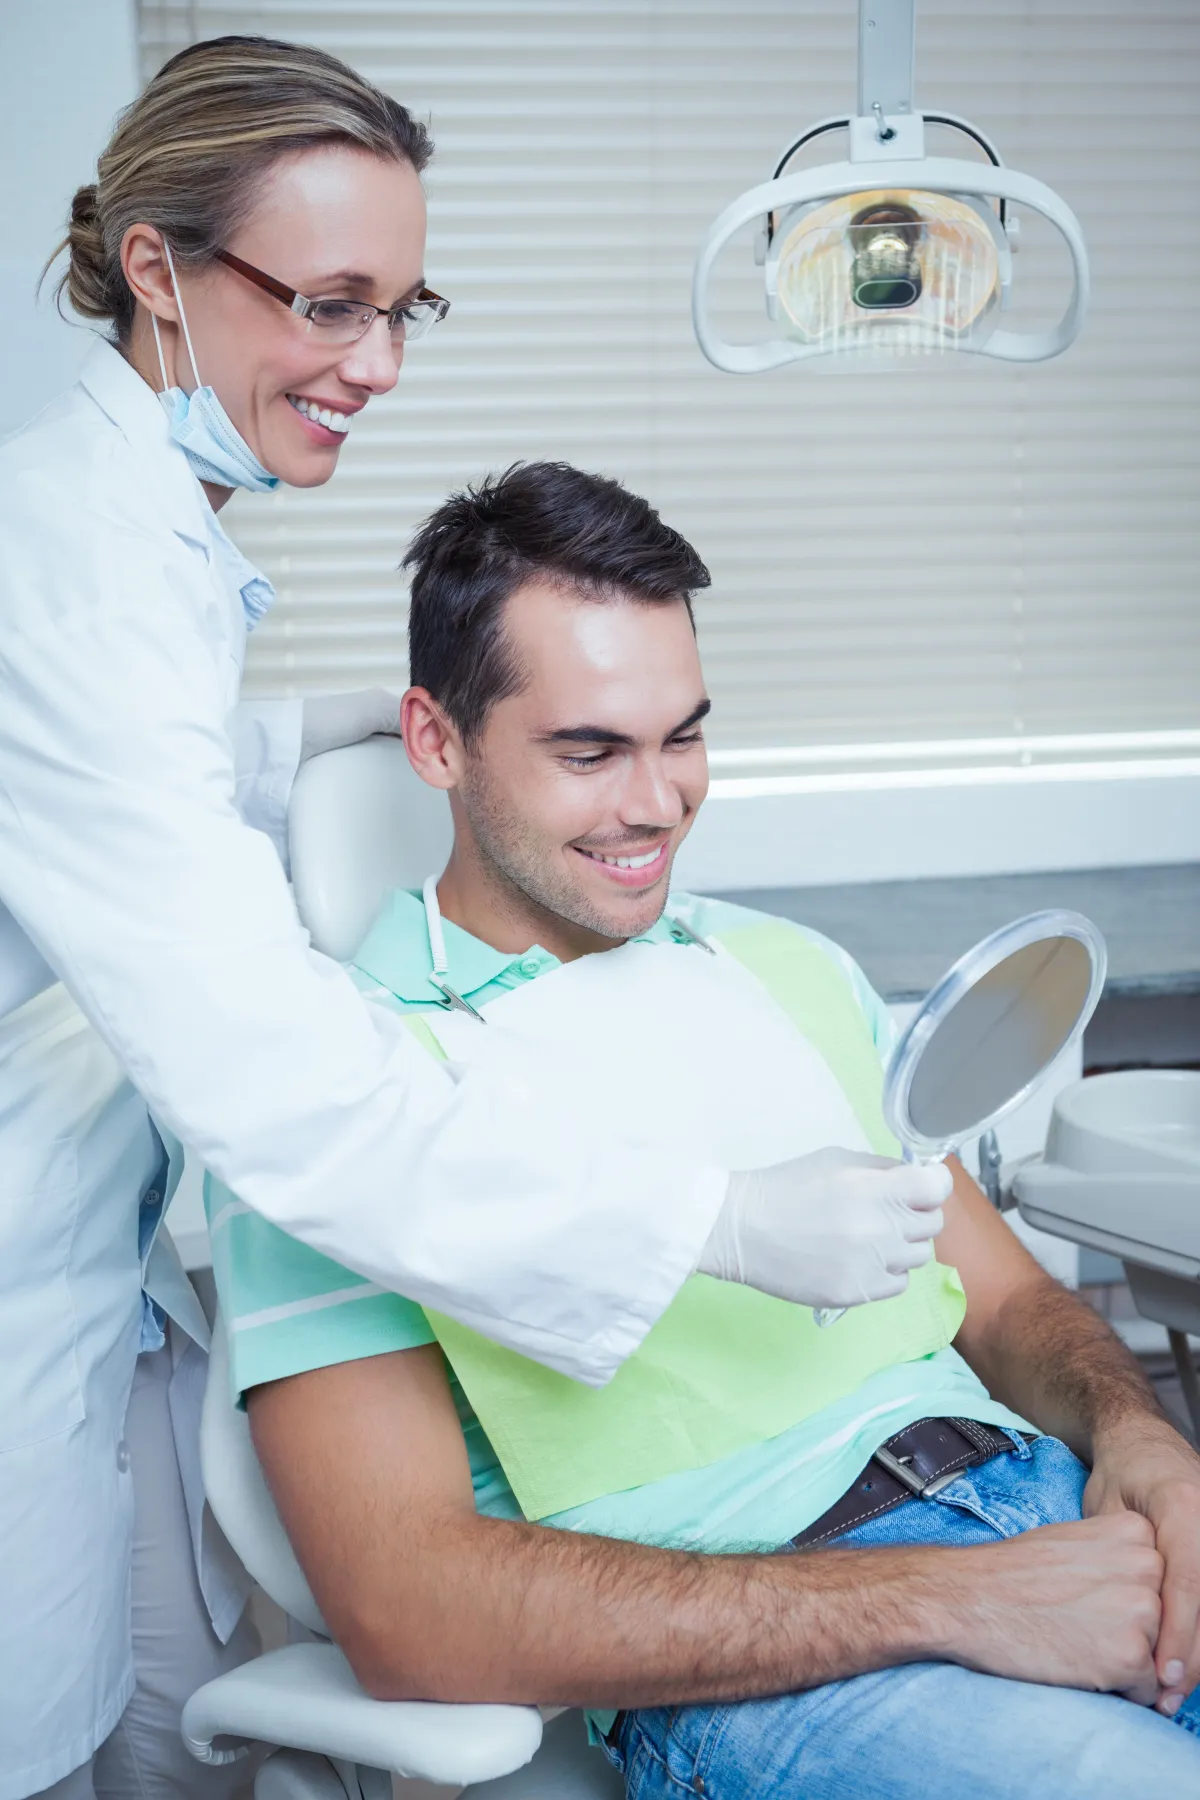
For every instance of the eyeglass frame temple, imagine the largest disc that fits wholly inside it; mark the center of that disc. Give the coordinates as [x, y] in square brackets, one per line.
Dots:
[302, 307]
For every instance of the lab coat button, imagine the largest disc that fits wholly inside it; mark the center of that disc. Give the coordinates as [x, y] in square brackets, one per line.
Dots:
[152, 1198]
[123, 1457]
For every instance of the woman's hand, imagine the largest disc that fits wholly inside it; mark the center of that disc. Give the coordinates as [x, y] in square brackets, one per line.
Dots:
[333, 720]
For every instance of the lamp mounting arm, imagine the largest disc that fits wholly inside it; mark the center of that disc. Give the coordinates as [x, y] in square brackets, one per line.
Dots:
[886, 47]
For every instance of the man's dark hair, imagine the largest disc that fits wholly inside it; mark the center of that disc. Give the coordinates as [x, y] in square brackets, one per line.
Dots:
[537, 519]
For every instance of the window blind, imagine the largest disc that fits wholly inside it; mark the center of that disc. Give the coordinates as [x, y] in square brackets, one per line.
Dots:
[970, 560]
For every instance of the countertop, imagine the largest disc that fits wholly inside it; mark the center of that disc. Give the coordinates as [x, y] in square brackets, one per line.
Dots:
[905, 934]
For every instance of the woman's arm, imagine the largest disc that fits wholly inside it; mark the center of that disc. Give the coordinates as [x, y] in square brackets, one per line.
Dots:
[123, 858]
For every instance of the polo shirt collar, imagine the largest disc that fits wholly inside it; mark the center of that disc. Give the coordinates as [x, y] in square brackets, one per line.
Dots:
[396, 954]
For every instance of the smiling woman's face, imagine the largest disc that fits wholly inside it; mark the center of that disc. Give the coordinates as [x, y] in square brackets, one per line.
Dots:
[333, 223]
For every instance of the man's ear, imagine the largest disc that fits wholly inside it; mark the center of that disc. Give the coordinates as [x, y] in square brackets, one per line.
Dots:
[434, 746]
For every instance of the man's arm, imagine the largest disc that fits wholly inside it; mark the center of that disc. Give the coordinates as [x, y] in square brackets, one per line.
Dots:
[1038, 1347]
[430, 1600]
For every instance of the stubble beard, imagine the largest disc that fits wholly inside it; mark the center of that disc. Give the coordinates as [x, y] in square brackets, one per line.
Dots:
[519, 867]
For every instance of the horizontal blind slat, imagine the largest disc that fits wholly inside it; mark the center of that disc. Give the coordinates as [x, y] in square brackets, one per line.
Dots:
[970, 550]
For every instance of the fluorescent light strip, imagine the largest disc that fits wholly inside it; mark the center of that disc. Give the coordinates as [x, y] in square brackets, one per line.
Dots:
[752, 787]
[958, 749]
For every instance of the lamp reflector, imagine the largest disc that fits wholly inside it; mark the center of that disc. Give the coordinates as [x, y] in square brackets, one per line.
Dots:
[890, 273]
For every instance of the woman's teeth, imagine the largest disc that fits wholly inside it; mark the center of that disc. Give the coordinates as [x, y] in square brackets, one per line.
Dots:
[320, 415]
[626, 862]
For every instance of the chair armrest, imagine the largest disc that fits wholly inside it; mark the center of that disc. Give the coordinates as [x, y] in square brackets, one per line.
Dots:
[305, 1697]
[565, 1768]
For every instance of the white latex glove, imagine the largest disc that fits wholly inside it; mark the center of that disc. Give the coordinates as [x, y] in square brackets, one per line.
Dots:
[330, 720]
[832, 1229]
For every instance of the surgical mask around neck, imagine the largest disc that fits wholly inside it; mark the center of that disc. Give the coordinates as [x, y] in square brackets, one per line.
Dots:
[201, 427]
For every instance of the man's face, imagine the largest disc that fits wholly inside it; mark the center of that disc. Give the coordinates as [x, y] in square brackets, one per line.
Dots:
[583, 785]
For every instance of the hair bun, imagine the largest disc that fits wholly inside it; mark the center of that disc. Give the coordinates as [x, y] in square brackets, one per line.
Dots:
[85, 280]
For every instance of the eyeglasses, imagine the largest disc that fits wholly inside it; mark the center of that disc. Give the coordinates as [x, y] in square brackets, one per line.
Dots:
[345, 321]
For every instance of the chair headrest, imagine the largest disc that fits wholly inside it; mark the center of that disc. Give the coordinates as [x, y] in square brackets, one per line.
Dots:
[240, 1498]
[360, 822]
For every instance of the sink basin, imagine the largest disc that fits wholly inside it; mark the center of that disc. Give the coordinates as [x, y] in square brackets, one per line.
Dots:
[1134, 1120]
[1121, 1169]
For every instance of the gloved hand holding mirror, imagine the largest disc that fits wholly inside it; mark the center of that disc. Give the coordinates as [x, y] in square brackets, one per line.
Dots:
[837, 1228]
[985, 1038]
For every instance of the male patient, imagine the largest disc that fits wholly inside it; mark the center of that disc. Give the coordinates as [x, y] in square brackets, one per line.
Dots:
[726, 1554]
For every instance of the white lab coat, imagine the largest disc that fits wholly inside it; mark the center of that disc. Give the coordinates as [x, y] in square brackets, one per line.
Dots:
[127, 873]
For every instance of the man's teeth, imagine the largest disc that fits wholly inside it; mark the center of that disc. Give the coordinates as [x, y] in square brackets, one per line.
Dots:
[320, 415]
[626, 862]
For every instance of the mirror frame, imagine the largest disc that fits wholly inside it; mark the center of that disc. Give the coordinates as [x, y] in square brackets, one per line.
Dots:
[942, 999]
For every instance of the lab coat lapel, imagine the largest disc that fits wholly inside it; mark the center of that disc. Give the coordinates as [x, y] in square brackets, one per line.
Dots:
[134, 409]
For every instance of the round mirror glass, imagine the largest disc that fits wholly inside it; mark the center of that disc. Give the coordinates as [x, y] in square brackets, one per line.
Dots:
[986, 1036]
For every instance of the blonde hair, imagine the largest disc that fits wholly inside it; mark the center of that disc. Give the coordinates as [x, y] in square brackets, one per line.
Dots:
[187, 155]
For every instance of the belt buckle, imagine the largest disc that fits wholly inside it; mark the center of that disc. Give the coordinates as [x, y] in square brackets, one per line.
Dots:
[916, 1484]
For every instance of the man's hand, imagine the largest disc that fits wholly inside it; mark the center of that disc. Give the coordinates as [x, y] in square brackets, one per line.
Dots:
[835, 1228]
[1053, 1360]
[1072, 1605]
[1142, 1465]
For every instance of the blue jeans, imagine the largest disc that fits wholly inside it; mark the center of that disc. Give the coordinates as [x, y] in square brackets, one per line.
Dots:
[927, 1731]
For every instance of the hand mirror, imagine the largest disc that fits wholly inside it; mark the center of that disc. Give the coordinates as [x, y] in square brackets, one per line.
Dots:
[986, 1036]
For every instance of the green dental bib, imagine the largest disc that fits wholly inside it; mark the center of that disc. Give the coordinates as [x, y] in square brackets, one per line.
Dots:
[725, 1366]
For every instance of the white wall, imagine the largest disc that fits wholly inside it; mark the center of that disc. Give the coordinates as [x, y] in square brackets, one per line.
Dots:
[66, 69]
[817, 832]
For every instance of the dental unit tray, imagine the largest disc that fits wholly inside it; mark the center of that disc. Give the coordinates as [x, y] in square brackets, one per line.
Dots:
[1121, 1173]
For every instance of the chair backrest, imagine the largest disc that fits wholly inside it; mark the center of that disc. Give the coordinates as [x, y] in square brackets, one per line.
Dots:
[241, 1499]
[360, 822]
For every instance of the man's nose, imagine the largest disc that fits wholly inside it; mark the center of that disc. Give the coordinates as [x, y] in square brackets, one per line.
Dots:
[374, 360]
[651, 796]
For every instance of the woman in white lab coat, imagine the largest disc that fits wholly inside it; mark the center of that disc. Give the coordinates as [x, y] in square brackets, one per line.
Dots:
[253, 248]
[150, 957]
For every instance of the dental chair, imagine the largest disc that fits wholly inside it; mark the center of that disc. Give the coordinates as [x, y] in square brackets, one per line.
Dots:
[360, 822]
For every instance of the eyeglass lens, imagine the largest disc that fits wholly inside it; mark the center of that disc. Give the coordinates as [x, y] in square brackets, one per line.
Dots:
[343, 320]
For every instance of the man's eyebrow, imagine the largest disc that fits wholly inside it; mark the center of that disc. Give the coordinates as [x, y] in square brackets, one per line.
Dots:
[586, 734]
[694, 717]
[601, 734]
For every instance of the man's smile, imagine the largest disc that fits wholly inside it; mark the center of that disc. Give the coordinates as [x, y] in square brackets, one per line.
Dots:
[630, 869]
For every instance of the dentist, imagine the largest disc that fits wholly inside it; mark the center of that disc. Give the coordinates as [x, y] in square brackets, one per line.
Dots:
[253, 247]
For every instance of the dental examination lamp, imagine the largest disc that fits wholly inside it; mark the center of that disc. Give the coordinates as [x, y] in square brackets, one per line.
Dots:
[892, 254]
[987, 1036]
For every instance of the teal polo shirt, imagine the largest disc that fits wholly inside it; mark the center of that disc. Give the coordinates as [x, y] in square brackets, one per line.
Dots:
[289, 1309]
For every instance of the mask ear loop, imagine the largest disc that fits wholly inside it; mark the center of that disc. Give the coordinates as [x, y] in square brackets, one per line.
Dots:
[158, 346]
[187, 336]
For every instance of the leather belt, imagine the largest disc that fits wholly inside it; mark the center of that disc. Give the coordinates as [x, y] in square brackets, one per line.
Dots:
[914, 1464]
